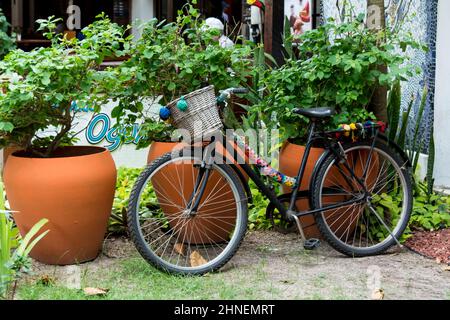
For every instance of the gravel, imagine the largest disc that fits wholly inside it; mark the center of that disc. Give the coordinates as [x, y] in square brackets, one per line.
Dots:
[434, 244]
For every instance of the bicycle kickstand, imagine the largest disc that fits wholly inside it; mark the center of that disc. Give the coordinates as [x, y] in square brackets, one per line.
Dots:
[308, 244]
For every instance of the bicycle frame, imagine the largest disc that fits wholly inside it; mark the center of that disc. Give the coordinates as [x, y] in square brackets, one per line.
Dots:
[287, 213]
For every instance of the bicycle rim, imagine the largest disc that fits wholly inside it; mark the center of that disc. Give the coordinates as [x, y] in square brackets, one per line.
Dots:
[186, 243]
[369, 226]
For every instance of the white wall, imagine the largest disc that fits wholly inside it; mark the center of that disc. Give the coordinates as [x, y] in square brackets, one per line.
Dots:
[142, 10]
[124, 156]
[442, 99]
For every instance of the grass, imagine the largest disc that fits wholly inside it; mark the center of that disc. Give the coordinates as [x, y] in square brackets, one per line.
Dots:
[269, 276]
[134, 279]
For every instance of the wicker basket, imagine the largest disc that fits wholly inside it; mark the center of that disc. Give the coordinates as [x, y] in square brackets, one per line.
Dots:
[201, 118]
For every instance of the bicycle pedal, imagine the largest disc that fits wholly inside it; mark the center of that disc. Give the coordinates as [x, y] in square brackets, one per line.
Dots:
[311, 244]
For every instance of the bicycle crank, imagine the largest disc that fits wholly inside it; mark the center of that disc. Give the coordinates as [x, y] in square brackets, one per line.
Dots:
[308, 244]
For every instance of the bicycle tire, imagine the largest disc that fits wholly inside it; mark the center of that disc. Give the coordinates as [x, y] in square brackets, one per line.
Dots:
[140, 242]
[322, 225]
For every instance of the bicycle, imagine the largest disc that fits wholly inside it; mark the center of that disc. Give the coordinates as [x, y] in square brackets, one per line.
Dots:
[360, 196]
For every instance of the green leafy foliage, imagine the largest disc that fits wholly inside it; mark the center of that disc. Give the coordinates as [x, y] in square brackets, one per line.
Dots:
[14, 250]
[394, 109]
[431, 211]
[171, 60]
[337, 65]
[44, 83]
[418, 140]
[257, 211]
[7, 42]
[412, 146]
[388, 206]
[430, 165]
[126, 178]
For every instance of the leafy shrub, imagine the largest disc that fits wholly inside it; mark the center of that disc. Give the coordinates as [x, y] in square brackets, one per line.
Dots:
[126, 178]
[257, 211]
[7, 43]
[171, 60]
[337, 66]
[45, 82]
[430, 212]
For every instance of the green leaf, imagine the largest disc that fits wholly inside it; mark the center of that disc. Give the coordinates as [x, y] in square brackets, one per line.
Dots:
[6, 126]
[172, 86]
[116, 112]
[27, 245]
[394, 108]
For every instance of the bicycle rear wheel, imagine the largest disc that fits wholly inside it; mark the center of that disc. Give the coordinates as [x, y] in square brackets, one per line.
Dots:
[178, 241]
[375, 223]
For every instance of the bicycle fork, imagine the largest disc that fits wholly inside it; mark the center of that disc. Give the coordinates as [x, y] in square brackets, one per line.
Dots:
[201, 181]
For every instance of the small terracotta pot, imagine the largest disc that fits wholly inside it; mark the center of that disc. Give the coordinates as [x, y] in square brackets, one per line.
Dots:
[204, 228]
[74, 190]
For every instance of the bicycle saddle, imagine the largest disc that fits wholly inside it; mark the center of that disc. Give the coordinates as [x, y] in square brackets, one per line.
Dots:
[316, 113]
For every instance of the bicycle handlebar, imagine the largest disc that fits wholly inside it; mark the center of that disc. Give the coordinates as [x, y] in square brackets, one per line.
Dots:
[240, 90]
[226, 94]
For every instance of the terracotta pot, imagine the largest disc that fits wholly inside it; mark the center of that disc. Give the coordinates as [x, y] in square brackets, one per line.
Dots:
[7, 152]
[74, 190]
[158, 149]
[204, 228]
[290, 161]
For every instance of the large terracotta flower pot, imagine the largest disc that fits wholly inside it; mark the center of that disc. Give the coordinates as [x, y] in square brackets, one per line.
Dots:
[204, 228]
[338, 219]
[7, 152]
[74, 190]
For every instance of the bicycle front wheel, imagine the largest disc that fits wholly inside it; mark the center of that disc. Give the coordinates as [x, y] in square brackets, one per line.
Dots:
[376, 186]
[172, 238]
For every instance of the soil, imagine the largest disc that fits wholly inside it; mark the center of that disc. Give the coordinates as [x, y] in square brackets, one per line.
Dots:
[279, 268]
[434, 244]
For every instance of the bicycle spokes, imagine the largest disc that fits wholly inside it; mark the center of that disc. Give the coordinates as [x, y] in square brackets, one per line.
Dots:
[174, 232]
[376, 184]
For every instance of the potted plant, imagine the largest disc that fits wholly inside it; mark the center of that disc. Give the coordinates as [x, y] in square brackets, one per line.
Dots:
[168, 62]
[336, 65]
[71, 186]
